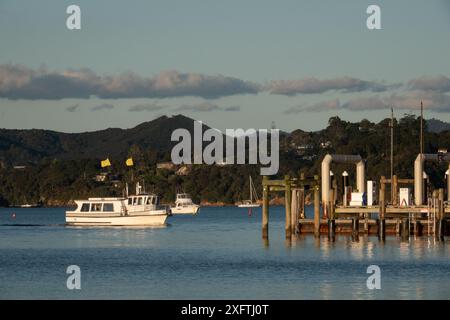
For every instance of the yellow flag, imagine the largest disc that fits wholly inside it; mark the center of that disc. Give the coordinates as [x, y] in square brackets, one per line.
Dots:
[129, 162]
[105, 163]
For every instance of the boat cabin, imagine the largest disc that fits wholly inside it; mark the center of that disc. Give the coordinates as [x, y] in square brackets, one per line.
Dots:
[143, 200]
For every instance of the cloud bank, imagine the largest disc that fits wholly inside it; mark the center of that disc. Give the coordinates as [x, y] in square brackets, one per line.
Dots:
[431, 83]
[104, 106]
[206, 107]
[19, 82]
[315, 86]
[149, 107]
[433, 101]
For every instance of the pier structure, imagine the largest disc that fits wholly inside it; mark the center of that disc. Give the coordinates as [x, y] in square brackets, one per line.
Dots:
[382, 217]
[294, 189]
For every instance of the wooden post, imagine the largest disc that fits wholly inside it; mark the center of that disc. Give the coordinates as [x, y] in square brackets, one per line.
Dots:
[405, 229]
[394, 185]
[382, 217]
[331, 219]
[302, 203]
[355, 228]
[417, 228]
[287, 198]
[335, 188]
[440, 219]
[294, 211]
[316, 211]
[366, 222]
[265, 210]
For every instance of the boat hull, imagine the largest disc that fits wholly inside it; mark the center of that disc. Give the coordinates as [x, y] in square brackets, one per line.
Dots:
[129, 220]
[249, 206]
[185, 210]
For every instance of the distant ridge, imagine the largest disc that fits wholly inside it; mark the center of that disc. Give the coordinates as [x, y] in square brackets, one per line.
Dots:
[437, 126]
[22, 147]
[31, 146]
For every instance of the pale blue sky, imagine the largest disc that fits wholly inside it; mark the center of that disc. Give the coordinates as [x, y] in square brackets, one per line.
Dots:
[253, 41]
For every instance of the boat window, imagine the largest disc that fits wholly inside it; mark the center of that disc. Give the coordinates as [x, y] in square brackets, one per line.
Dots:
[109, 207]
[135, 201]
[149, 200]
[130, 201]
[139, 201]
[96, 207]
[84, 207]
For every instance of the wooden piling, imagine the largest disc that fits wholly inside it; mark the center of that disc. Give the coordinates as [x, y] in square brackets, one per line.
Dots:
[265, 210]
[441, 216]
[332, 217]
[397, 227]
[394, 185]
[355, 229]
[287, 197]
[316, 211]
[382, 214]
[294, 210]
[405, 229]
[302, 203]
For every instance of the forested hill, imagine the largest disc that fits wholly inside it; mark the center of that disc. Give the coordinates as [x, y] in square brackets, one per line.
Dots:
[22, 147]
[54, 168]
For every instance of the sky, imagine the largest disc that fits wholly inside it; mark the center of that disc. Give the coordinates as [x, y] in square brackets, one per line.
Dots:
[231, 64]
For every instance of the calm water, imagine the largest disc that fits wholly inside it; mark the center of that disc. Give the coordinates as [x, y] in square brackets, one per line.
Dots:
[218, 254]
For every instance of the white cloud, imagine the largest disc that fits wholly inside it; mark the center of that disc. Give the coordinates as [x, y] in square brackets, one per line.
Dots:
[315, 86]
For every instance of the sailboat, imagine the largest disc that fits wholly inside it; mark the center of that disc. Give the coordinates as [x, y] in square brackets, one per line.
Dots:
[250, 203]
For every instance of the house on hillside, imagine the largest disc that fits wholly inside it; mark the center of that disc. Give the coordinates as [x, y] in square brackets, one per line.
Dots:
[102, 177]
[184, 170]
[166, 165]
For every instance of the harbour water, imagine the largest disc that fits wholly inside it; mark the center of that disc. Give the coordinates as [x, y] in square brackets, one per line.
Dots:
[218, 254]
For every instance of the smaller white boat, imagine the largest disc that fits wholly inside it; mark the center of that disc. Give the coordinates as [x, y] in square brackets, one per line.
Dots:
[250, 203]
[184, 205]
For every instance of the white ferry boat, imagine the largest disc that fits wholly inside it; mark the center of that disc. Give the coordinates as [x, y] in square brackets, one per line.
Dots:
[134, 210]
[184, 205]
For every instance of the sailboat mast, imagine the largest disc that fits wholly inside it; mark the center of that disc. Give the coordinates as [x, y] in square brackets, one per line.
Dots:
[250, 186]
[392, 152]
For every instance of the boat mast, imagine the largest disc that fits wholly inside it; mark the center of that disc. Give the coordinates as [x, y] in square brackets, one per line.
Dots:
[250, 186]
[392, 153]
